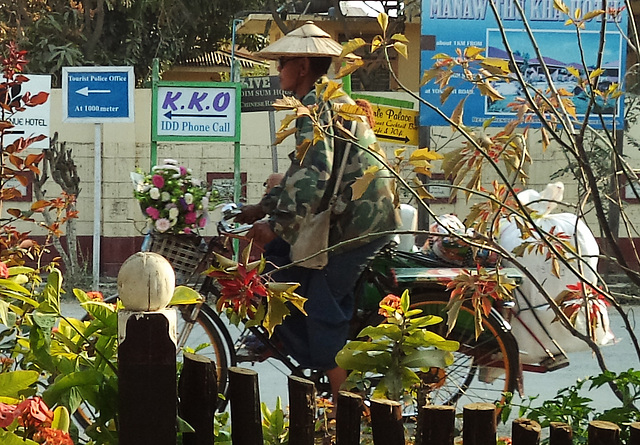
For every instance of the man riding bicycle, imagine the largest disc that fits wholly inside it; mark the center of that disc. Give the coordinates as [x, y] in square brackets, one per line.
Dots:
[304, 57]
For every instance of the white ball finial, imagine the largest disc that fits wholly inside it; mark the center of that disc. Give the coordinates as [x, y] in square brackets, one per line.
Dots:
[146, 282]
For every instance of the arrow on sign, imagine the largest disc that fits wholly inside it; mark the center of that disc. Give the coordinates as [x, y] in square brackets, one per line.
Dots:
[86, 91]
[170, 115]
[394, 138]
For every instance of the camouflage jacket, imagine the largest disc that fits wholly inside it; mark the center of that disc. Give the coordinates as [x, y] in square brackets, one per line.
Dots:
[308, 185]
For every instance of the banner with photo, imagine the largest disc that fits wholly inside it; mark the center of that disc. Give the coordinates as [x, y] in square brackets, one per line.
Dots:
[448, 25]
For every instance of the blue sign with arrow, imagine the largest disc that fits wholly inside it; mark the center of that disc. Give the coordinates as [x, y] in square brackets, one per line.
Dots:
[98, 94]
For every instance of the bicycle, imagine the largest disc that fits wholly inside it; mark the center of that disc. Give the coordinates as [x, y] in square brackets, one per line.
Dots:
[483, 370]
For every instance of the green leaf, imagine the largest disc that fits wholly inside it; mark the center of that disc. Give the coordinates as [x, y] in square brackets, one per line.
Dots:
[51, 293]
[61, 420]
[366, 361]
[185, 295]
[13, 382]
[432, 358]
[64, 383]
[9, 438]
[382, 330]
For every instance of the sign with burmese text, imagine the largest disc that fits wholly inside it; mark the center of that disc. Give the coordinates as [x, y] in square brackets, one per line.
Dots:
[560, 50]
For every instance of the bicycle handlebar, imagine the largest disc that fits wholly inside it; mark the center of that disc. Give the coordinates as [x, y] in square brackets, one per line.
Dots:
[229, 212]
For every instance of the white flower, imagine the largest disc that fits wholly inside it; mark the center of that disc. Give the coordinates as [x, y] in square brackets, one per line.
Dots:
[165, 196]
[162, 225]
[171, 161]
[173, 221]
[188, 198]
[154, 193]
[196, 182]
[173, 212]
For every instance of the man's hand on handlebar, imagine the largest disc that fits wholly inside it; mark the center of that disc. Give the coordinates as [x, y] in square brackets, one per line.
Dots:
[250, 213]
[261, 233]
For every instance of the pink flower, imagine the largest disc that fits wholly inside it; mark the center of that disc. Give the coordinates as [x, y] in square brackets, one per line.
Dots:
[183, 170]
[153, 212]
[202, 222]
[158, 181]
[4, 270]
[187, 230]
[163, 224]
[190, 218]
[7, 414]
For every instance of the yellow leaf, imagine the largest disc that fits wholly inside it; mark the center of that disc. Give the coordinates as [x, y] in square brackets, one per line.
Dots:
[596, 73]
[282, 135]
[421, 189]
[577, 13]
[185, 295]
[472, 51]
[287, 103]
[545, 139]
[487, 90]
[350, 67]
[286, 121]
[445, 95]
[383, 20]
[428, 75]
[560, 6]
[399, 152]
[568, 22]
[332, 91]
[301, 150]
[224, 263]
[402, 49]
[280, 288]
[456, 117]
[361, 184]
[425, 154]
[376, 43]
[352, 45]
[349, 111]
[592, 14]
[400, 38]
[573, 71]
[492, 62]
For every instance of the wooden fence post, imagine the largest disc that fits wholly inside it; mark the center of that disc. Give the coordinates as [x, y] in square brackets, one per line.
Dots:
[244, 395]
[436, 425]
[348, 418]
[525, 432]
[634, 438]
[147, 400]
[560, 434]
[147, 379]
[479, 424]
[603, 433]
[198, 393]
[386, 422]
[302, 410]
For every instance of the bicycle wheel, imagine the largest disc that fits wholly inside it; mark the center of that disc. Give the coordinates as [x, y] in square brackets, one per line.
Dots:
[483, 368]
[204, 337]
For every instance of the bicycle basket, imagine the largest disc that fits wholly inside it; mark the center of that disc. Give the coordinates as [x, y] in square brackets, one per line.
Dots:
[182, 251]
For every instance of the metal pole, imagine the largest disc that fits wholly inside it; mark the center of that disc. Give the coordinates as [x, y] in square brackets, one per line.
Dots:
[97, 203]
[274, 147]
[155, 78]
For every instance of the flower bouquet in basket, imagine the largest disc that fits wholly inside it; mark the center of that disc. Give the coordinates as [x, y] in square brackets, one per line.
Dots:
[172, 199]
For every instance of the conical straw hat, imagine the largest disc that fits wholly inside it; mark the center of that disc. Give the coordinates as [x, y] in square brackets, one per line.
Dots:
[306, 41]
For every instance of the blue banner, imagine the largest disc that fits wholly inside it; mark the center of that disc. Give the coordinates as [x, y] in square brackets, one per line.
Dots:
[449, 25]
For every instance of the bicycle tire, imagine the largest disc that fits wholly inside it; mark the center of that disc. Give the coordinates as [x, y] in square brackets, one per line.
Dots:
[484, 369]
[206, 338]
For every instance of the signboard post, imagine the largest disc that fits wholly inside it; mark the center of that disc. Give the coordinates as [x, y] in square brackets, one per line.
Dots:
[97, 94]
